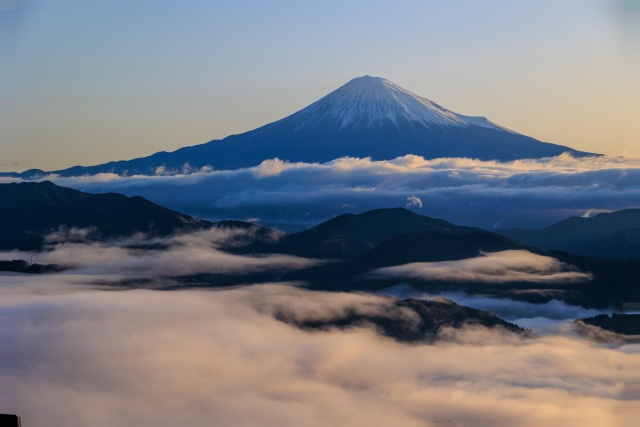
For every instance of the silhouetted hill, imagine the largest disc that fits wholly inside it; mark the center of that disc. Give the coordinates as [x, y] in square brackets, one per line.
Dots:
[607, 288]
[574, 234]
[393, 321]
[614, 246]
[27, 204]
[38, 195]
[33, 209]
[347, 236]
[623, 324]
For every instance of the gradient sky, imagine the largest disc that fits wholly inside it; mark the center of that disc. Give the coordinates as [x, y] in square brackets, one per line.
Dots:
[89, 82]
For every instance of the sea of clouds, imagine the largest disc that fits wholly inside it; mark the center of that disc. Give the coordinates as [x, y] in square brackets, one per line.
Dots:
[78, 351]
[145, 357]
[488, 194]
[495, 267]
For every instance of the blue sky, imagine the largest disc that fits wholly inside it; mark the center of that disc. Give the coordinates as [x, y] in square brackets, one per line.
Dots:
[89, 82]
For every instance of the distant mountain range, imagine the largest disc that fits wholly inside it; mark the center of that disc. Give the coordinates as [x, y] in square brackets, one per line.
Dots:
[31, 209]
[367, 117]
[614, 235]
[347, 236]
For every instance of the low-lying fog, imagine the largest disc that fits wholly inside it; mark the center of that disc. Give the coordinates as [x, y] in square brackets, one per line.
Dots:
[76, 351]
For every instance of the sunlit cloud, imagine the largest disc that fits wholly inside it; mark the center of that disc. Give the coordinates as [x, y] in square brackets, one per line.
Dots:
[495, 267]
[465, 191]
[181, 254]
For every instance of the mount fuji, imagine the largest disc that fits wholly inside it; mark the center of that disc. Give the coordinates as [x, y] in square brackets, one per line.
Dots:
[367, 117]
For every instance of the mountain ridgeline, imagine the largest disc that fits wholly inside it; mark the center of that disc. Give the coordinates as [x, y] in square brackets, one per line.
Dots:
[366, 117]
[614, 235]
[426, 319]
[353, 245]
[31, 210]
[347, 236]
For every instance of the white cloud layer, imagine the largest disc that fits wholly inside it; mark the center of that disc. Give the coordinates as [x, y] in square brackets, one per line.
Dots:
[144, 357]
[465, 191]
[183, 254]
[495, 267]
[74, 354]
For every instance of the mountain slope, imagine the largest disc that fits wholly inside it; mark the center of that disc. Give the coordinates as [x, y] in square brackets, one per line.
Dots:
[367, 117]
[408, 320]
[573, 233]
[418, 246]
[347, 236]
[430, 246]
[607, 287]
[614, 246]
[31, 210]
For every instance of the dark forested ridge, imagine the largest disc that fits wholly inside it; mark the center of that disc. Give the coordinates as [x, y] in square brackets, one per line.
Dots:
[33, 209]
[605, 235]
[429, 318]
[347, 236]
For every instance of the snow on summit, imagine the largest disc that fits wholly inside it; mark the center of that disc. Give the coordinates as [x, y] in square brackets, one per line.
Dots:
[369, 117]
[367, 101]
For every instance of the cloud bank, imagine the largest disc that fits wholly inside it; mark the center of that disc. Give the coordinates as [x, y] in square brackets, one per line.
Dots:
[74, 354]
[526, 193]
[145, 357]
[495, 267]
[140, 257]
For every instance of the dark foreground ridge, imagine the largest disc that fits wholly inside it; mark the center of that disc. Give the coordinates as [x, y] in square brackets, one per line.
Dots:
[408, 320]
[35, 209]
[348, 236]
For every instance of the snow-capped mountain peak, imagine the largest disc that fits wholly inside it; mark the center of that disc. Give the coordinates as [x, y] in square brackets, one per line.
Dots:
[367, 117]
[367, 101]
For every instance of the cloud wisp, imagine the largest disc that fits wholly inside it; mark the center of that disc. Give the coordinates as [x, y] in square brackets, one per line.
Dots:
[179, 255]
[495, 267]
[472, 192]
[547, 317]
